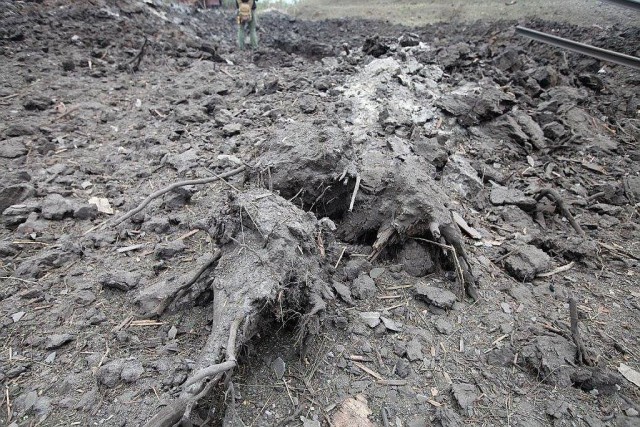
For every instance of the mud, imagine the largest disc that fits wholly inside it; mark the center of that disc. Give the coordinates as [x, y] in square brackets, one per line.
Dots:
[388, 247]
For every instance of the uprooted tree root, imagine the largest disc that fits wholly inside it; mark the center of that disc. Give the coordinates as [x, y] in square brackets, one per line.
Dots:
[266, 246]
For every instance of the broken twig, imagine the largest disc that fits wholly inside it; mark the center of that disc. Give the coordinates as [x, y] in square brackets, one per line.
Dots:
[355, 193]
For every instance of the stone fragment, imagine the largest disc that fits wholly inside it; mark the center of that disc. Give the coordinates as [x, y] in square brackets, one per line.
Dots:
[526, 262]
[552, 357]
[439, 297]
[363, 287]
[403, 368]
[18, 129]
[308, 104]
[376, 272]
[443, 326]
[459, 175]
[465, 395]
[370, 318]
[390, 324]
[414, 350]
[232, 129]
[14, 194]
[158, 225]
[132, 370]
[511, 196]
[416, 259]
[12, 148]
[278, 367]
[17, 316]
[37, 103]
[169, 250]
[58, 340]
[56, 207]
[85, 212]
[343, 291]
[109, 373]
[123, 281]
[173, 332]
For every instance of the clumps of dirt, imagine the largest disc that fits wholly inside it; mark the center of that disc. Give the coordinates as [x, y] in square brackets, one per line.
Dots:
[382, 225]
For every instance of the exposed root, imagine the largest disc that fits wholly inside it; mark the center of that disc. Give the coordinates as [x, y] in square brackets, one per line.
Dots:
[179, 292]
[180, 408]
[173, 186]
[562, 206]
[584, 358]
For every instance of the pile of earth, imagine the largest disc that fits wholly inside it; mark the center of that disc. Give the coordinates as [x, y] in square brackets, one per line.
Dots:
[375, 225]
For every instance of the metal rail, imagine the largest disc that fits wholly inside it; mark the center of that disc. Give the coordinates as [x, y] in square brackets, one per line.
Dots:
[627, 3]
[585, 49]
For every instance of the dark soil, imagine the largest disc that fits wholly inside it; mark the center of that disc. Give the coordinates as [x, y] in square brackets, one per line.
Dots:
[341, 247]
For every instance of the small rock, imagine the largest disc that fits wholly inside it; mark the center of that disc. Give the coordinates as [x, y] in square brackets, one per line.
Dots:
[403, 368]
[12, 148]
[355, 267]
[465, 395]
[109, 373]
[511, 196]
[308, 422]
[85, 212]
[376, 272]
[14, 194]
[363, 287]
[307, 104]
[37, 102]
[414, 350]
[17, 316]
[391, 325]
[505, 307]
[232, 129]
[68, 65]
[170, 250]
[631, 412]
[441, 298]
[443, 326]
[173, 331]
[278, 367]
[501, 357]
[416, 259]
[19, 130]
[56, 207]
[58, 340]
[343, 291]
[132, 370]
[527, 262]
[371, 318]
[84, 297]
[123, 281]
[158, 225]
[51, 357]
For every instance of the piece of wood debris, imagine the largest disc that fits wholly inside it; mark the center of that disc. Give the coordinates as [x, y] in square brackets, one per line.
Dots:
[130, 248]
[187, 235]
[398, 383]
[472, 232]
[557, 270]
[630, 374]
[145, 322]
[369, 371]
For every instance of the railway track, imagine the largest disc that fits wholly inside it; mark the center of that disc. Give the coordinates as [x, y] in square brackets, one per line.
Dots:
[585, 49]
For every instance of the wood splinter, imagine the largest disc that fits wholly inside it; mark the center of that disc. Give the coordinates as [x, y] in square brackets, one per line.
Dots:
[562, 206]
[583, 356]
